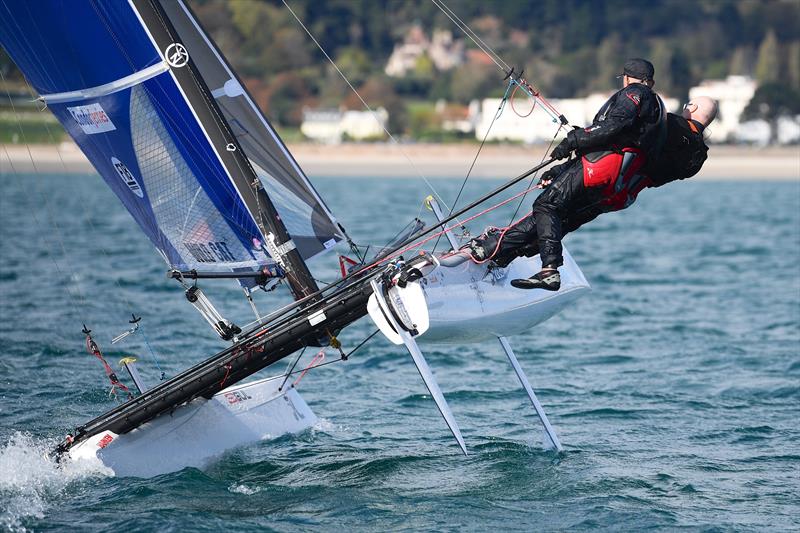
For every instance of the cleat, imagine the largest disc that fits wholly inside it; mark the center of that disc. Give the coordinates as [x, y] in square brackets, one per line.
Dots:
[548, 279]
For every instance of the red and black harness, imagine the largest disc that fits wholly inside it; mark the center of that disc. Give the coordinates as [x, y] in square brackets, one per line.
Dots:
[618, 173]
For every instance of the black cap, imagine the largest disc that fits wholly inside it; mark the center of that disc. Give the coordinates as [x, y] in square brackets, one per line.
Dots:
[639, 68]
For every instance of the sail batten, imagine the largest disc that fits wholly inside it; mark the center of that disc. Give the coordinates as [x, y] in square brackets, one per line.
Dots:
[108, 88]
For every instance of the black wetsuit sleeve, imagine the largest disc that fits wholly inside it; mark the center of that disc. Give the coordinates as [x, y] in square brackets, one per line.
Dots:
[621, 115]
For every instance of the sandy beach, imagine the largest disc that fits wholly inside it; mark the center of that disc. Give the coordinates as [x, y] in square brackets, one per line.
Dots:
[428, 160]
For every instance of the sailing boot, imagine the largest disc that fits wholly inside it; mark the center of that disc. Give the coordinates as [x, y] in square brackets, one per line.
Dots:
[548, 279]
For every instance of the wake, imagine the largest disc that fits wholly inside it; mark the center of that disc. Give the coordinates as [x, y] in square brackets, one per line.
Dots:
[30, 481]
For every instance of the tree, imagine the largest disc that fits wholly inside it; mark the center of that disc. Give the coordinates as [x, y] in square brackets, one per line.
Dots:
[770, 102]
[354, 64]
[793, 66]
[768, 66]
[742, 61]
[472, 81]
[285, 101]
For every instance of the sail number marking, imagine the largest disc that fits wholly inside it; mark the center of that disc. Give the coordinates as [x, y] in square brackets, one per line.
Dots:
[210, 252]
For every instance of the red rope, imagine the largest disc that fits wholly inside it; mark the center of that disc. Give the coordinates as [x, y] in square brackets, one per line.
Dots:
[445, 230]
[319, 358]
[93, 349]
[227, 373]
[533, 105]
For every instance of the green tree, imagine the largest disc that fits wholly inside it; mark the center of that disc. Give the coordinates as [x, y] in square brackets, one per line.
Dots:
[355, 64]
[742, 60]
[770, 102]
[285, 99]
[471, 81]
[793, 65]
[768, 66]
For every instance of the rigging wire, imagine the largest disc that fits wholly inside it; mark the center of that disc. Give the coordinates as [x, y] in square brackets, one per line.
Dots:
[533, 177]
[477, 154]
[516, 82]
[507, 70]
[343, 358]
[460, 24]
[79, 303]
[103, 249]
[366, 105]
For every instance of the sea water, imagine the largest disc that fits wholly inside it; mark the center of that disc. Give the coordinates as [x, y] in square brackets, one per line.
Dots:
[674, 385]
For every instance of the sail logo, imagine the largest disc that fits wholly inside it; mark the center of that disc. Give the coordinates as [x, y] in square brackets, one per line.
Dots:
[91, 118]
[127, 177]
[176, 55]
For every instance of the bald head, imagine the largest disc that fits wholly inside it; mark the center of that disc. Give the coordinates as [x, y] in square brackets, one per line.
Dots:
[702, 109]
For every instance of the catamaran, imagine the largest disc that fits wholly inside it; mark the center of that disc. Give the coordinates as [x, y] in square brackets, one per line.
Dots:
[156, 108]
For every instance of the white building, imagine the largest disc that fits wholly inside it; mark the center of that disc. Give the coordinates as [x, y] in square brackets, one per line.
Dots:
[444, 51]
[330, 126]
[733, 94]
[759, 132]
[540, 126]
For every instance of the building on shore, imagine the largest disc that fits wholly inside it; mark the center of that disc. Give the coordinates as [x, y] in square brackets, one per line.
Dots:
[524, 121]
[732, 94]
[444, 51]
[332, 126]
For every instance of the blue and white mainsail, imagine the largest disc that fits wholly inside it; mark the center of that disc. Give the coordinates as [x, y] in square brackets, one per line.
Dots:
[113, 73]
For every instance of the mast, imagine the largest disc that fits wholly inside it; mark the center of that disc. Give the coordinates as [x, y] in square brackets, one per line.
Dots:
[277, 240]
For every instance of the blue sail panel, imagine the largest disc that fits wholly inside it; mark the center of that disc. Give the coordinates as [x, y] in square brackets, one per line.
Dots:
[139, 132]
[65, 45]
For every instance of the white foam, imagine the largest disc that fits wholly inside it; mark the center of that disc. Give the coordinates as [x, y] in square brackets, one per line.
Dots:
[29, 479]
[326, 426]
[243, 489]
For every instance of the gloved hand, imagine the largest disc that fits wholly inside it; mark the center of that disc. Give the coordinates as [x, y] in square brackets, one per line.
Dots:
[547, 177]
[563, 149]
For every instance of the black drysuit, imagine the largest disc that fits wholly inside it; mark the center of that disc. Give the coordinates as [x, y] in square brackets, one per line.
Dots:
[632, 118]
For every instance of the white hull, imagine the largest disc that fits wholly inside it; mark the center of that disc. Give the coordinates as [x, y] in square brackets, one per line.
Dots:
[196, 433]
[469, 303]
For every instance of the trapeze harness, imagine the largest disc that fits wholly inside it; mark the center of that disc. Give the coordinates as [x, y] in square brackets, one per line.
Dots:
[619, 171]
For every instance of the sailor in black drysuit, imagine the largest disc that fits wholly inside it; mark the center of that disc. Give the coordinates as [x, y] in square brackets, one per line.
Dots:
[607, 175]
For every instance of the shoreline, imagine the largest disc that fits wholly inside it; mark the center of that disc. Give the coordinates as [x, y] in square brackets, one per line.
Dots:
[430, 160]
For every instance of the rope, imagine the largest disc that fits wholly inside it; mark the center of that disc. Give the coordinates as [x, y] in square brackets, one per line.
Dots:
[533, 177]
[475, 159]
[513, 94]
[445, 230]
[486, 49]
[320, 357]
[294, 364]
[375, 116]
[94, 229]
[321, 364]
